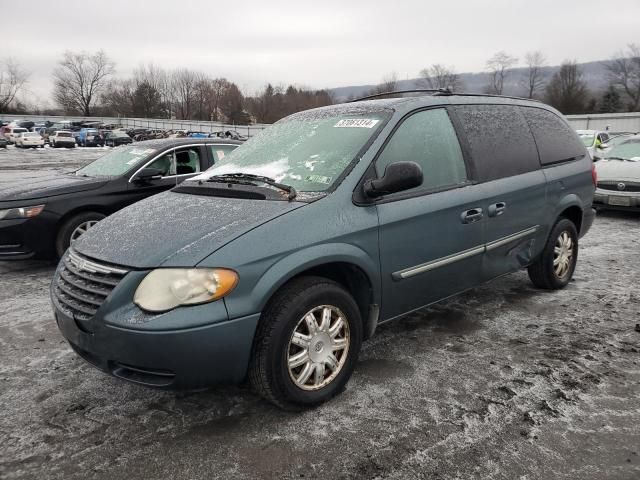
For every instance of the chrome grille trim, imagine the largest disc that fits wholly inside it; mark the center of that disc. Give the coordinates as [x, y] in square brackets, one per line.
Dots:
[81, 285]
[93, 267]
[613, 186]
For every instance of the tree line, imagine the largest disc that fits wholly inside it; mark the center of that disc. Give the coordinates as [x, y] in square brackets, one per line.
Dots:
[565, 89]
[86, 84]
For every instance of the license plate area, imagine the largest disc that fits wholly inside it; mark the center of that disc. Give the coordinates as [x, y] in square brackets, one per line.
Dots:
[619, 201]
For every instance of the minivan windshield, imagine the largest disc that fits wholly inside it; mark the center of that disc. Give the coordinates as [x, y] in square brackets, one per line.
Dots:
[306, 151]
[117, 162]
[629, 150]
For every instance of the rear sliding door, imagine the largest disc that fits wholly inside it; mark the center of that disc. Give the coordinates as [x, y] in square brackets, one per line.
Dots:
[508, 168]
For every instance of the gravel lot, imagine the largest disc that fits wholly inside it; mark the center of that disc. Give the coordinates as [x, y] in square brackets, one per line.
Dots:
[504, 381]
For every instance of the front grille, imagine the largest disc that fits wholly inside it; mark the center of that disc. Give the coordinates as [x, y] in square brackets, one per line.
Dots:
[82, 285]
[628, 187]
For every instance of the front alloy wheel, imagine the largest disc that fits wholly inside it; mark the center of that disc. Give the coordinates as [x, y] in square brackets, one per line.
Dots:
[307, 343]
[318, 348]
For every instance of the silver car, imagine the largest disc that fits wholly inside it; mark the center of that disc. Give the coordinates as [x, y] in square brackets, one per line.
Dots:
[618, 184]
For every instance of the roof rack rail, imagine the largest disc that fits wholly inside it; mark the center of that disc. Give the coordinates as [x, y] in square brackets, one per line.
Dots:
[441, 92]
[493, 95]
[434, 91]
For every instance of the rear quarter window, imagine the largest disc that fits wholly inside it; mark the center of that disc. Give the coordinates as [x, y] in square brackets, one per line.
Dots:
[500, 140]
[556, 141]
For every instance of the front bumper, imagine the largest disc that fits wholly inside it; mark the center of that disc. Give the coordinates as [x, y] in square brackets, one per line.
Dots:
[21, 239]
[175, 359]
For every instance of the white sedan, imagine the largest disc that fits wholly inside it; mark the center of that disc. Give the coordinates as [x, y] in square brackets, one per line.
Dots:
[29, 139]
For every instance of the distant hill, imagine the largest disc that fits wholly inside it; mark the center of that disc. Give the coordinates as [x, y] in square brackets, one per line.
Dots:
[593, 73]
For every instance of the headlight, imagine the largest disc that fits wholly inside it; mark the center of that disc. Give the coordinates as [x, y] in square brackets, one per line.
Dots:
[21, 212]
[167, 288]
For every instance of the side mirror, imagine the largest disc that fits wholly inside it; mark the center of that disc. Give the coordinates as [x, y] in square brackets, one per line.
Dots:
[148, 174]
[603, 146]
[398, 176]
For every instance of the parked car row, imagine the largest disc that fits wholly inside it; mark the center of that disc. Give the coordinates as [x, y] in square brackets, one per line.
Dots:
[95, 134]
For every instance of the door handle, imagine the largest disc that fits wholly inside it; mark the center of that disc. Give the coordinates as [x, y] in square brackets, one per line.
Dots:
[497, 209]
[471, 216]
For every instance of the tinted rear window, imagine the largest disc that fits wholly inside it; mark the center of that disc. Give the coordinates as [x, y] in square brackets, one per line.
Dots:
[500, 140]
[556, 141]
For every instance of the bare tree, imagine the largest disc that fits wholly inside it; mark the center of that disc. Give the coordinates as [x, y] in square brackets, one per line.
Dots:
[184, 83]
[158, 78]
[118, 97]
[624, 72]
[12, 80]
[80, 78]
[498, 67]
[534, 80]
[567, 91]
[389, 84]
[439, 76]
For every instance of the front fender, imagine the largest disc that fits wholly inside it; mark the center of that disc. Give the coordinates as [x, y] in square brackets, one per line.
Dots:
[297, 262]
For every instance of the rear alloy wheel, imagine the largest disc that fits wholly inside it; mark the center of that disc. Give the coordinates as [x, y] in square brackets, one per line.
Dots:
[74, 228]
[307, 344]
[555, 266]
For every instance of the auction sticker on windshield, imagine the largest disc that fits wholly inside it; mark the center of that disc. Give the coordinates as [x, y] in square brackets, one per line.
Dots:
[356, 123]
[318, 179]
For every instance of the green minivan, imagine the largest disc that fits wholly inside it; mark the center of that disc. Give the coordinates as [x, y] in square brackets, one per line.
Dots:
[275, 264]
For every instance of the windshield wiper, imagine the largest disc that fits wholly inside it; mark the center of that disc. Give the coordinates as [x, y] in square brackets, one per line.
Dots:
[249, 179]
[619, 158]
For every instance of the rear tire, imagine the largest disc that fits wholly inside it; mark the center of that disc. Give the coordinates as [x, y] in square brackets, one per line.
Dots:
[73, 228]
[297, 363]
[554, 267]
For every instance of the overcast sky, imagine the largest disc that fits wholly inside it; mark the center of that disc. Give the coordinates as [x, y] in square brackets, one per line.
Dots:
[318, 44]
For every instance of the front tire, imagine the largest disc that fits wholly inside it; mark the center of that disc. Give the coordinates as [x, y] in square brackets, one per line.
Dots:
[554, 267]
[74, 228]
[307, 344]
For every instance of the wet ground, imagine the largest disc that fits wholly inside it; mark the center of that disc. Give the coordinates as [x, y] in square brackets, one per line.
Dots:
[504, 381]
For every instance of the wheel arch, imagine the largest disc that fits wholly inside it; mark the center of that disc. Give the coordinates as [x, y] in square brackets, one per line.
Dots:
[78, 210]
[571, 208]
[347, 265]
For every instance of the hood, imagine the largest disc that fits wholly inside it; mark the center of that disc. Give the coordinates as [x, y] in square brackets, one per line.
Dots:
[618, 170]
[176, 229]
[30, 188]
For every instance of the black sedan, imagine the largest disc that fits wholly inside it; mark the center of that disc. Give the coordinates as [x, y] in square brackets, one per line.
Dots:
[41, 218]
[116, 138]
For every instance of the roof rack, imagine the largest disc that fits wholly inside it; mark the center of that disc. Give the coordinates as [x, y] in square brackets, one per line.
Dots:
[433, 91]
[441, 92]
